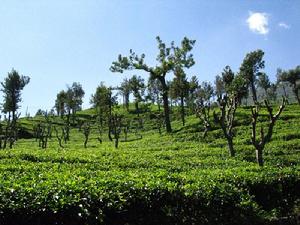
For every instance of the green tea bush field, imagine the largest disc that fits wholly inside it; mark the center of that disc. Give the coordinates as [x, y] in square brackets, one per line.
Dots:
[176, 178]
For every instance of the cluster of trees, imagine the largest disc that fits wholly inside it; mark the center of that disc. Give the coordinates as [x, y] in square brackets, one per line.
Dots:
[11, 88]
[69, 101]
[229, 91]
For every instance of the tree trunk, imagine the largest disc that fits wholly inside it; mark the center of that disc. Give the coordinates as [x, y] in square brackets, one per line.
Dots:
[259, 157]
[182, 110]
[167, 112]
[253, 90]
[137, 108]
[166, 104]
[230, 147]
[86, 141]
[109, 133]
[116, 142]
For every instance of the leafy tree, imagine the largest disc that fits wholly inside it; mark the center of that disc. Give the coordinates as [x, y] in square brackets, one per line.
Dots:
[204, 94]
[179, 88]
[154, 91]
[74, 96]
[250, 70]
[272, 92]
[292, 76]
[193, 86]
[234, 87]
[219, 86]
[103, 101]
[137, 87]
[12, 86]
[263, 82]
[168, 58]
[40, 112]
[125, 90]
[60, 103]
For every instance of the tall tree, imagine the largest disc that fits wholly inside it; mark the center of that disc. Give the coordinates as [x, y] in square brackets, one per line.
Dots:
[166, 63]
[103, 100]
[154, 91]
[219, 86]
[292, 76]
[125, 90]
[137, 87]
[193, 86]
[179, 88]
[263, 82]
[228, 102]
[74, 94]
[60, 103]
[12, 86]
[251, 69]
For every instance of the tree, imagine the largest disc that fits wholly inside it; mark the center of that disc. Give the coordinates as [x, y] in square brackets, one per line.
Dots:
[154, 91]
[103, 101]
[60, 103]
[259, 144]
[263, 82]
[125, 90]
[250, 70]
[193, 86]
[292, 76]
[203, 105]
[219, 86]
[234, 90]
[168, 58]
[137, 86]
[179, 88]
[74, 96]
[11, 87]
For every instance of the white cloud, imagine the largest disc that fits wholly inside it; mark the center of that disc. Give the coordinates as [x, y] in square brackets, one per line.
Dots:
[258, 22]
[284, 25]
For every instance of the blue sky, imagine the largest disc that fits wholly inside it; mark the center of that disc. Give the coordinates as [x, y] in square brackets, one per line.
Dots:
[58, 42]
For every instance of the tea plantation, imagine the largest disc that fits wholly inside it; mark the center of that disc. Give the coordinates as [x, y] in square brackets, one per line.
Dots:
[153, 178]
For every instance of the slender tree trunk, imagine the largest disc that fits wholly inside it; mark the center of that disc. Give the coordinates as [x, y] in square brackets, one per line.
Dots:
[137, 108]
[182, 110]
[86, 141]
[166, 104]
[259, 157]
[230, 146]
[116, 141]
[127, 102]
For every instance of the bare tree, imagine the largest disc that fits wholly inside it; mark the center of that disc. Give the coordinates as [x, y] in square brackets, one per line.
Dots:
[116, 127]
[228, 106]
[86, 133]
[259, 144]
[202, 112]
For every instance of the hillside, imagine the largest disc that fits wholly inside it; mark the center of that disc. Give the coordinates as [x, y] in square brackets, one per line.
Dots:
[153, 178]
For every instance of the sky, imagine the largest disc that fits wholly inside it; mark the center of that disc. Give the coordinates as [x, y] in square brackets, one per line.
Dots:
[58, 42]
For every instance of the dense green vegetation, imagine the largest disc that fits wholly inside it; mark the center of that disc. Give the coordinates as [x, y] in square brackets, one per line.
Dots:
[176, 178]
[182, 153]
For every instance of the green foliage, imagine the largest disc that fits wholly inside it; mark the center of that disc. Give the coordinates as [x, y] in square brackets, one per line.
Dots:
[154, 180]
[250, 70]
[293, 78]
[12, 86]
